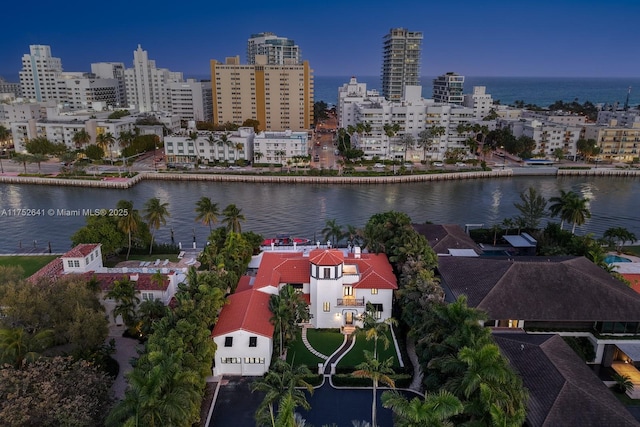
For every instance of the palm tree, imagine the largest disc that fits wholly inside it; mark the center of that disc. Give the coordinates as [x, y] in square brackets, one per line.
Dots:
[281, 384]
[22, 158]
[257, 155]
[128, 223]
[623, 382]
[532, 207]
[577, 211]
[207, 211]
[106, 141]
[618, 236]
[124, 293]
[332, 232]
[407, 141]
[149, 312]
[377, 372]
[38, 159]
[559, 205]
[18, 346]
[155, 214]
[375, 330]
[288, 309]
[81, 138]
[354, 235]
[434, 411]
[232, 218]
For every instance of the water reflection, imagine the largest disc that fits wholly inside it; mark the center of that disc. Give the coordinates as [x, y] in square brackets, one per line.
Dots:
[304, 209]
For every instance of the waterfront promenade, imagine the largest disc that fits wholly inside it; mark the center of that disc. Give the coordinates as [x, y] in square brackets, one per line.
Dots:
[123, 183]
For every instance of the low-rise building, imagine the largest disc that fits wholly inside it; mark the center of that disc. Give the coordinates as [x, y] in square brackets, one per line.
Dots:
[280, 147]
[206, 147]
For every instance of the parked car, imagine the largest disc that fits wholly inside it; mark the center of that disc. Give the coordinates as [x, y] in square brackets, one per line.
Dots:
[408, 165]
[461, 164]
[378, 166]
[438, 164]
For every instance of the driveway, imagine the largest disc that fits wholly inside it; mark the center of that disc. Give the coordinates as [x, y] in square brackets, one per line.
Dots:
[236, 405]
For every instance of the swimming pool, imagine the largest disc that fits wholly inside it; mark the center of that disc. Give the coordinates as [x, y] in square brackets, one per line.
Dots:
[615, 258]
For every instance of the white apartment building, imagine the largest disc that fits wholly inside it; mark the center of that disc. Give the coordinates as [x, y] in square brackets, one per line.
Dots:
[447, 89]
[624, 119]
[80, 92]
[350, 94]
[413, 114]
[400, 62]
[112, 70]
[277, 50]
[280, 147]
[548, 135]
[480, 101]
[60, 127]
[23, 111]
[39, 74]
[191, 100]
[10, 88]
[555, 117]
[205, 147]
[148, 86]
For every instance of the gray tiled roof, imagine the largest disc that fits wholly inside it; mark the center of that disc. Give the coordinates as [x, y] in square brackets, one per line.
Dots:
[540, 288]
[563, 391]
[442, 237]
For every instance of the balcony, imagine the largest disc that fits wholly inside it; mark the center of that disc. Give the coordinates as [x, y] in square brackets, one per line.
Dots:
[350, 302]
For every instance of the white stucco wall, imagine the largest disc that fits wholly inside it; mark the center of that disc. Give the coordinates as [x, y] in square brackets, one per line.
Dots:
[242, 354]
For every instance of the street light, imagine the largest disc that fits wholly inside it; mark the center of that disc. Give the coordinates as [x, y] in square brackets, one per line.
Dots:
[504, 157]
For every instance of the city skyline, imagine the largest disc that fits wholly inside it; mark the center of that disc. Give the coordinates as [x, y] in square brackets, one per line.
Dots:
[562, 38]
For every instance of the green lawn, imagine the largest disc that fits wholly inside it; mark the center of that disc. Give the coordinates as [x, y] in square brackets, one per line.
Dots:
[298, 354]
[30, 264]
[326, 341]
[631, 250]
[356, 355]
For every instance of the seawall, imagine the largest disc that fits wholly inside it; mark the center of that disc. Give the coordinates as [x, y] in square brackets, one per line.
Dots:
[124, 183]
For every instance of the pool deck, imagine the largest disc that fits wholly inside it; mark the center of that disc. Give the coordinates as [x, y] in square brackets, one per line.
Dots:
[632, 267]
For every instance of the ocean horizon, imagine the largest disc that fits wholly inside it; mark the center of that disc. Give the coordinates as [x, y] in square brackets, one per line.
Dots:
[541, 91]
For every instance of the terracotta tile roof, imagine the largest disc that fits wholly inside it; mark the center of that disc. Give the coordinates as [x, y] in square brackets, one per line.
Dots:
[326, 257]
[375, 272]
[144, 282]
[52, 270]
[247, 311]
[285, 267]
[244, 284]
[281, 267]
[634, 279]
[563, 391]
[539, 288]
[81, 250]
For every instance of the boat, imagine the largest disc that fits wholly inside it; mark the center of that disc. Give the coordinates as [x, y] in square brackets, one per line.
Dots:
[286, 240]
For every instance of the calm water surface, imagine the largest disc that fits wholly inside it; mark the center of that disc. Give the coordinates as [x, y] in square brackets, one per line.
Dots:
[303, 210]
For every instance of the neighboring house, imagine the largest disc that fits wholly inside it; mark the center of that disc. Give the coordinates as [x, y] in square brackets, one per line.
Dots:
[564, 295]
[448, 239]
[563, 391]
[336, 284]
[86, 259]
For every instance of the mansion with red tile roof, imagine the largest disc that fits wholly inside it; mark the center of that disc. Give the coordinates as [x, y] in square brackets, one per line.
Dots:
[337, 285]
[86, 260]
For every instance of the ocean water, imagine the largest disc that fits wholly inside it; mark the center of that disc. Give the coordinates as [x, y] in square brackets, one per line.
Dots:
[542, 91]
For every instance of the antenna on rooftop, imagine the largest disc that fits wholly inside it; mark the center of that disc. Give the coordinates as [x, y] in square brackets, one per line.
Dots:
[626, 103]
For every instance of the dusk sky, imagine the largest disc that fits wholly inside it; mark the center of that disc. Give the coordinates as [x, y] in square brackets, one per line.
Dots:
[559, 38]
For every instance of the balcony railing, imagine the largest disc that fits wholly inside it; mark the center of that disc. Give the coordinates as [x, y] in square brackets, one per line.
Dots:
[351, 302]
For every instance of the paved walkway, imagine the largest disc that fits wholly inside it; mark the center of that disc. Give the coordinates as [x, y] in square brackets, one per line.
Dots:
[312, 350]
[126, 348]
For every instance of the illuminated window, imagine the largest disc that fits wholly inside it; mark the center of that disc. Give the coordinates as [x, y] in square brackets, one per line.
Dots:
[374, 291]
[347, 291]
[326, 307]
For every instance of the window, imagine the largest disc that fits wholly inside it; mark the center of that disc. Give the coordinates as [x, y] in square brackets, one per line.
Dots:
[230, 360]
[347, 291]
[374, 291]
[228, 341]
[76, 263]
[326, 272]
[69, 263]
[253, 341]
[254, 360]
[377, 311]
[326, 307]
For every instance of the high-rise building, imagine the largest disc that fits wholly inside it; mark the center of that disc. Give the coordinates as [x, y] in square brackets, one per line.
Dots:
[400, 62]
[39, 75]
[112, 70]
[279, 97]
[81, 91]
[148, 86]
[278, 50]
[191, 100]
[447, 89]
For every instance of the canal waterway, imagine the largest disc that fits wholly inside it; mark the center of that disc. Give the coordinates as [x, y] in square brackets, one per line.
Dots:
[303, 209]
